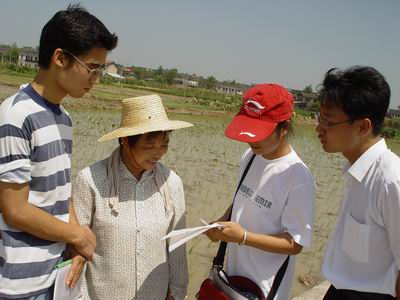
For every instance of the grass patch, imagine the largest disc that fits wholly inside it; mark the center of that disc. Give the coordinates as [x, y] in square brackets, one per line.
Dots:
[14, 79]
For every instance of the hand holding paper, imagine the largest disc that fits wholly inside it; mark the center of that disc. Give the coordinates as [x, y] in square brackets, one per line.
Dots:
[181, 236]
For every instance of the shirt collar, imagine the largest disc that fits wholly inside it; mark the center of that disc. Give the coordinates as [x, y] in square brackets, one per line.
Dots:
[126, 174]
[361, 166]
[31, 92]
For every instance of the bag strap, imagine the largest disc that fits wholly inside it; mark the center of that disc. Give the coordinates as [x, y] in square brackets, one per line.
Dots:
[278, 279]
[218, 260]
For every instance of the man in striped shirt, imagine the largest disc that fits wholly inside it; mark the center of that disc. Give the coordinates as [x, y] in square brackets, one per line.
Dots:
[37, 219]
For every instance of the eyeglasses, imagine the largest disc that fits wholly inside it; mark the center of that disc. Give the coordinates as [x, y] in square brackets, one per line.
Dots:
[92, 72]
[326, 124]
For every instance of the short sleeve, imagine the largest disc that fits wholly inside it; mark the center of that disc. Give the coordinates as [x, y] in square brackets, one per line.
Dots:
[83, 198]
[15, 154]
[298, 214]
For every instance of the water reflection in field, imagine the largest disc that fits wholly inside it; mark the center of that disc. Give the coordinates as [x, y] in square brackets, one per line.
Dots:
[208, 163]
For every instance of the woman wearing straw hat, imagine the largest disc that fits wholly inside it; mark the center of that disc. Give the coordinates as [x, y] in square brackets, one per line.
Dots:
[130, 201]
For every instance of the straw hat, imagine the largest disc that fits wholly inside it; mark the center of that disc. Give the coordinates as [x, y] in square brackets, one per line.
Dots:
[141, 115]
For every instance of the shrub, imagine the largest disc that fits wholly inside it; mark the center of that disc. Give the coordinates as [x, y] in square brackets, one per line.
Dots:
[14, 68]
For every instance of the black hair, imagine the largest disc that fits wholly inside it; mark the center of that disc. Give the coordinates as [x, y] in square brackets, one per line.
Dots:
[133, 139]
[360, 91]
[288, 125]
[76, 31]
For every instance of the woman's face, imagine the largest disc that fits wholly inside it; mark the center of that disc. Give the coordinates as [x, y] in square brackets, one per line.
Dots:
[272, 147]
[145, 153]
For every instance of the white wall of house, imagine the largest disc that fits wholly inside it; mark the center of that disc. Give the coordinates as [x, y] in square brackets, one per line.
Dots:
[112, 69]
[28, 59]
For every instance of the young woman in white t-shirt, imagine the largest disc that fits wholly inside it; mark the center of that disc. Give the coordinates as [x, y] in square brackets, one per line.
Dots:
[273, 211]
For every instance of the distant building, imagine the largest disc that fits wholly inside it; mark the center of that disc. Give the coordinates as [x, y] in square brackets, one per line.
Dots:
[111, 67]
[28, 59]
[186, 82]
[303, 99]
[112, 70]
[230, 89]
[3, 54]
[128, 72]
[393, 113]
[4, 50]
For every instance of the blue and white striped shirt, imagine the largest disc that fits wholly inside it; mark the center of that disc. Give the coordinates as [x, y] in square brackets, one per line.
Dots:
[35, 147]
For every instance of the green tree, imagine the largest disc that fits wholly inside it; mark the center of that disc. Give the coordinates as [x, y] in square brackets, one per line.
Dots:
[210, 82]
[139, 73]
[308, 89]
[12, 54]
[160, 71]
[170, 76]
[313, 106]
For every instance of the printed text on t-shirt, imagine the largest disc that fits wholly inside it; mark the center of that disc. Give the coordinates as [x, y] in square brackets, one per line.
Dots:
[257, 200]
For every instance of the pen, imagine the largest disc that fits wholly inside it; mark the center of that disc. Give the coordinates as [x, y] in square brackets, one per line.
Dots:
[63, 264]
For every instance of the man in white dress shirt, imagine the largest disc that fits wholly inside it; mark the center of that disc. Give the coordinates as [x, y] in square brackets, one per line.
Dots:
[362, 258]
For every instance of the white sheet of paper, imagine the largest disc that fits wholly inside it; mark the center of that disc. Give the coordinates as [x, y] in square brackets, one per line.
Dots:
[61, 290]
[181, 236]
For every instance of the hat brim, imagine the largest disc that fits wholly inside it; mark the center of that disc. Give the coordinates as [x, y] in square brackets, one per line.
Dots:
[250, 130]
[159, 126]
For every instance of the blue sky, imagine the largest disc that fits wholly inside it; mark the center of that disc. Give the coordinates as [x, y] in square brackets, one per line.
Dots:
[289, 42]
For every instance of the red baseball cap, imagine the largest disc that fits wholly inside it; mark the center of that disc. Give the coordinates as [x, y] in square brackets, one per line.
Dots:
[264, 106]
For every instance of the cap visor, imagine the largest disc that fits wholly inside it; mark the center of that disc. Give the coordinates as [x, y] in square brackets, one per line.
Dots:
[250, 130]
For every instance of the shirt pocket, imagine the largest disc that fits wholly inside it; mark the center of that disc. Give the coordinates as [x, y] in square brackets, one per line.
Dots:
[355, 242]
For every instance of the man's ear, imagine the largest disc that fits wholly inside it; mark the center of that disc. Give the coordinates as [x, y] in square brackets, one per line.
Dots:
[58, 58]
[365, 126]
